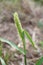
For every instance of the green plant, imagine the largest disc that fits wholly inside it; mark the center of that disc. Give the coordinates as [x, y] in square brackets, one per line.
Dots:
[40, 61]
[6, 57]
[1, 46]
[2, 61]
[22, 33]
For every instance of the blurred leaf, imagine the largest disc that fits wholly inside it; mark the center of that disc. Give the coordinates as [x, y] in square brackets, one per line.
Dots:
[2, 61]
[40, 61]
[12, 45]
[6, 57]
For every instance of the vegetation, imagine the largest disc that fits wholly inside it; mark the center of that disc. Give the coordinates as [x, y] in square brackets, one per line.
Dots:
[22, 33]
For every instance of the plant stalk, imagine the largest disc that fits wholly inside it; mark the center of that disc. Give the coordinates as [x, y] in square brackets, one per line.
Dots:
[24, 46]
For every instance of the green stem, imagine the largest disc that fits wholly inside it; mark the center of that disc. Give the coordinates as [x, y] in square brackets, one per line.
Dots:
[24, 46]
[25, 52]
[25, 60]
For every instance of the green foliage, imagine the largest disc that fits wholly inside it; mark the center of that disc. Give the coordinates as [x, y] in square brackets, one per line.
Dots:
[40, 61]
[20, 30]
[12, 45]
[6, 57]
[1, 46]
[22, 34]
[29, 37]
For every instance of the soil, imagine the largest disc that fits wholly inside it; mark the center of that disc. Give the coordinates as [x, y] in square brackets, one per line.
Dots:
[29, 17]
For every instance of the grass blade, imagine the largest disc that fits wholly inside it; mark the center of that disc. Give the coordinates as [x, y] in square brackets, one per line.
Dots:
[29, 37]
[1, 46]
[12, 45]
[40, 61]
[2, 61]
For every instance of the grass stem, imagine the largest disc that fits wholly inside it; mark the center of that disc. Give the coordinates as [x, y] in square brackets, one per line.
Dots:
[24, 46]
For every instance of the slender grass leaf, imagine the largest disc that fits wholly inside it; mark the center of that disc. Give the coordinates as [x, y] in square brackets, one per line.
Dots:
[29, 37]
[12, 45]
[2, 61]
[18, 24]
[40, 61]
[1, 46]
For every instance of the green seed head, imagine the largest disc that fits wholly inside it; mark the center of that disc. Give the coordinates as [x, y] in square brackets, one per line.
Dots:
[18, 24]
